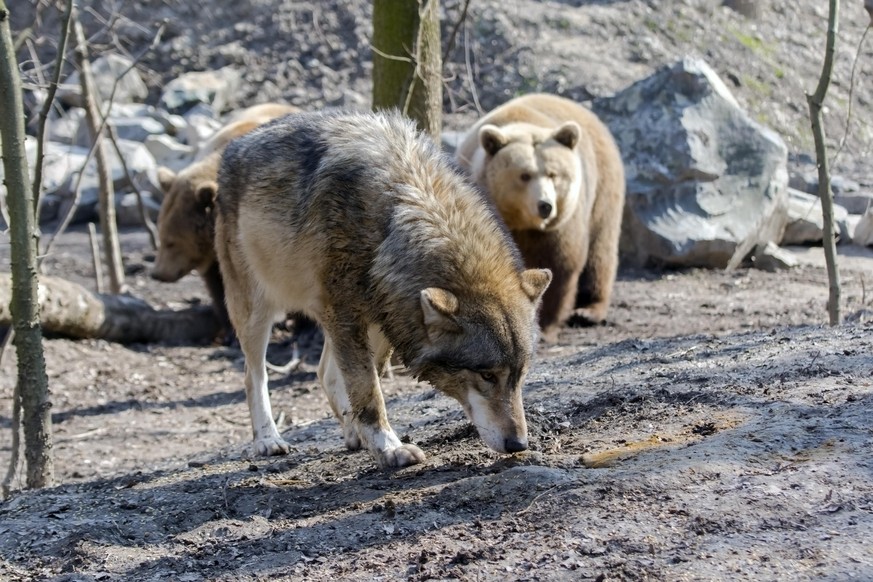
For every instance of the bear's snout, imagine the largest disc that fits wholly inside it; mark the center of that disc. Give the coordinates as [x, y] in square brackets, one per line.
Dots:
[544, 209]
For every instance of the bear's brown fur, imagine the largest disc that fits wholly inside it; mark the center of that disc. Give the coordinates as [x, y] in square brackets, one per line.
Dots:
[556, 176]
[186, 223]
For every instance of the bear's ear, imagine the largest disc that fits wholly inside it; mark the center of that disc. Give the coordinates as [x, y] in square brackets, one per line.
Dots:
[439, 308]
[568, 134]
[166, 177]
[534, 283]
[492, 139]
[206, 193]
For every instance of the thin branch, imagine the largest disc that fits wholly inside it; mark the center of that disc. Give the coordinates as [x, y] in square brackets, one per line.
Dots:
[470, 71]
[143, 213]
[68, 217]
[390, 57]
[851, 95]
[15, 447]
[46, 109]
[450, 44]
[95, 257]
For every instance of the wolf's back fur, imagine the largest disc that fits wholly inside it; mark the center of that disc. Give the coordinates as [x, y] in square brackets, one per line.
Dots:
[359, 222]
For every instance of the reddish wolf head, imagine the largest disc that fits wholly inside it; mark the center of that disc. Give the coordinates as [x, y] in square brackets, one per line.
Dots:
[360, 222]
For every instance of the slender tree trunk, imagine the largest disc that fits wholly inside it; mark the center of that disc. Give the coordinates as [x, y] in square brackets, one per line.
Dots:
[406, 62]
[815, 102]
[108, 225]
[24, 304]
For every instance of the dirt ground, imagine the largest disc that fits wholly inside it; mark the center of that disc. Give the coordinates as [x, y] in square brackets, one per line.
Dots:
[715, 429]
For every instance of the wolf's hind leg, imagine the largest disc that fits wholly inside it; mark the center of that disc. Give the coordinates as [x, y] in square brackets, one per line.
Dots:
[334, 387]
[254, 335]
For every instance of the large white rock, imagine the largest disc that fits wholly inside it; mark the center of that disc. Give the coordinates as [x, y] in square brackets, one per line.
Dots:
[805, 220]
[216, 88]
[705, 181]
[863, 233]
[106, 69]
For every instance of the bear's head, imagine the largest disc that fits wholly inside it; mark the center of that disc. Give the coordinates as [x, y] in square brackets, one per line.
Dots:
[533, 173]
[186, 222]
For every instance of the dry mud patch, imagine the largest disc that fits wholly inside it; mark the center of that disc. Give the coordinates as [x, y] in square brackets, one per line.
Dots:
[714, 430]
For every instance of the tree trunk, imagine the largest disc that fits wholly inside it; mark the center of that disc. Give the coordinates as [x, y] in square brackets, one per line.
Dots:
[108, 225]
[815, 102]
[22, 299]
[406, 60]
[70, 310]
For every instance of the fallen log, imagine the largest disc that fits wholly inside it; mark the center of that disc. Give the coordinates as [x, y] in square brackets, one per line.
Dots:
[70, 310]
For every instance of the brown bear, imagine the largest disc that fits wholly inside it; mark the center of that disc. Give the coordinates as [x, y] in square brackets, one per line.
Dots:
[556, 177]
[186, 223]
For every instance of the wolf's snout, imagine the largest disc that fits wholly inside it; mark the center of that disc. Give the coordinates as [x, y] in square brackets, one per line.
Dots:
[514, 445]
[544, 208]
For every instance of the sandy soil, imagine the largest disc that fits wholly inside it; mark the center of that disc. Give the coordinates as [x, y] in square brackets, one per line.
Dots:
[713, 430]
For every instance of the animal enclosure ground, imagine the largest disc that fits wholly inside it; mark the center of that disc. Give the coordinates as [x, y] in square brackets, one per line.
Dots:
[713, 430]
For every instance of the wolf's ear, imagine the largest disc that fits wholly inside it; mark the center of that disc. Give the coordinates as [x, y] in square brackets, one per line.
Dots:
[166, 176]
[534, 283]
[492, 139]
[568, 134]
[439, 308]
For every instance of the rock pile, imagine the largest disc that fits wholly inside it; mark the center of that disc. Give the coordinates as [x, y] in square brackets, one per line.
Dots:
[705, 181]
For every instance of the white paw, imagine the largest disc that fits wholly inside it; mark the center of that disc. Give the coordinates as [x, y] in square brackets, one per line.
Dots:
[401, 456]
[269, 446]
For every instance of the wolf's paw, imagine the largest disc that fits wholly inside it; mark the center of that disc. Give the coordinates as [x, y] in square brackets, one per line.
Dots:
[402, 456]
[269, 446]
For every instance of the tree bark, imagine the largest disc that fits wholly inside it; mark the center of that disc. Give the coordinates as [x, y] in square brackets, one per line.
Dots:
[108, 225]
[70, 310]
[23, 283]
[815, 102]
[406, 62]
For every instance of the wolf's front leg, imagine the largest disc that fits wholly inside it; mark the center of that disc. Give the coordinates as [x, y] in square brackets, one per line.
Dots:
[348, 361]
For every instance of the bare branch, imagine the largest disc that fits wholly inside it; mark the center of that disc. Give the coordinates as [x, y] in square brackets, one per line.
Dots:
[46, 108]
[143, 214]
[450, 44]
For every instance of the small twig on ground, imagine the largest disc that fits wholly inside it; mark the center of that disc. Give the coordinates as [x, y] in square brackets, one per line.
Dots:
[535, 499]
[292, 365]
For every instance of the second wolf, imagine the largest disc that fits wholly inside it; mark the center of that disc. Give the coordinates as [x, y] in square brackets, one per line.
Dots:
[359, 222]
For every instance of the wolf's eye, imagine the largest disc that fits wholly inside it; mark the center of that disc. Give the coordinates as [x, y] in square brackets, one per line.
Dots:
[525, 177]
[489, 377]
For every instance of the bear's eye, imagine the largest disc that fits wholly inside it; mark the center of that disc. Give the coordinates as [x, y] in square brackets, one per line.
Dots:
[552, 175]
[525, 177]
